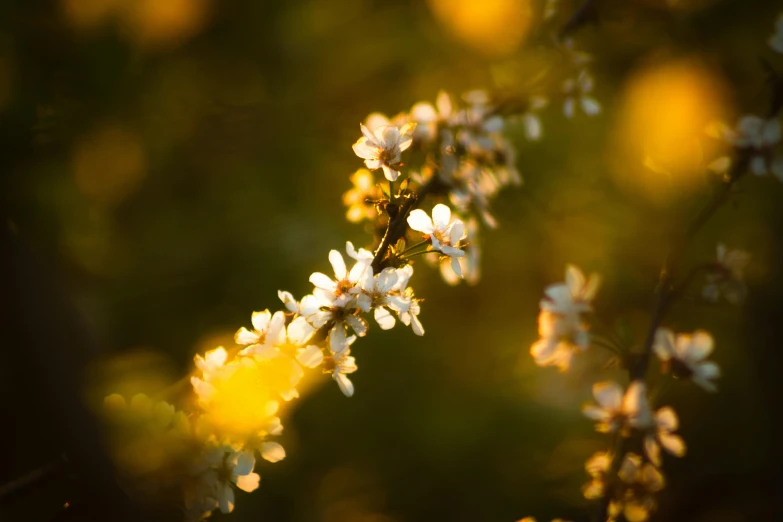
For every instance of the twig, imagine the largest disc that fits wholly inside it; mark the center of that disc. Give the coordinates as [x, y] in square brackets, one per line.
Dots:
[580, 17]
[31, 477]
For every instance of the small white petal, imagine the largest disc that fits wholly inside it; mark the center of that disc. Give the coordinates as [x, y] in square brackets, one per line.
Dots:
[345, 384]
[338, 264]
[441, 216]
[249, 483]
[272, 451]
[384, 318]
[419, 220]
[310, 357]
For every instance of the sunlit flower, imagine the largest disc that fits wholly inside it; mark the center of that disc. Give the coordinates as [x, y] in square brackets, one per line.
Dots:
[427, 117]
[306, 307]
[212, 361]
[578, 92]
[687, 354]
[268, 330]
[640, 481]
[617, 412]
[343, 289]
[361, 197]
[530, 119]
[382, 147]
[757, 135]
[572, 297]
[561, 327]
[410, 316]
[665, 423]
[380, 288]
[224, 468]
[444, 233]
[341, 364]
[597, 467]
[776, 40]
[561, 337]
[729, 280]
[470, 263]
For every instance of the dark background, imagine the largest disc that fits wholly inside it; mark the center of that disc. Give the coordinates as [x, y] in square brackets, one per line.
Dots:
[166, 168]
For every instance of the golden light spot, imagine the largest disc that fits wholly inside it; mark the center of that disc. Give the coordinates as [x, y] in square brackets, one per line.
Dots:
[493, 27]
[660, 143]
[108, 164]
[243, 401]
[159, 23]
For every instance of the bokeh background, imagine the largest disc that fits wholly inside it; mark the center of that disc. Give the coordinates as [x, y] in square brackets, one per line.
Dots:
[167, 166]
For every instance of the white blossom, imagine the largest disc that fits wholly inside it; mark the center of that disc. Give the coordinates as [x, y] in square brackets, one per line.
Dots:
[728, 281]
[776, 40]
[758, 136]
[306, 307]
[561, 325]
[530, 120]
[665, 423]
[470, 263]
[382, 147]
[222, 468]
[687, 354]
[342, 297]
[383, 296]
[268, 330]
[444, 233]
[617, 411]
[578, 92]
[410, 316]
[343, 364]
[639, 483]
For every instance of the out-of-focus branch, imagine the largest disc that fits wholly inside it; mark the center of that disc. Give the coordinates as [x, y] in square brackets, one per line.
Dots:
[584, 13]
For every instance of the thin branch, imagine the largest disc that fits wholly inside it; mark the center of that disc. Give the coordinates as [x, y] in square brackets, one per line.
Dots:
[398, 225]
[584, 13]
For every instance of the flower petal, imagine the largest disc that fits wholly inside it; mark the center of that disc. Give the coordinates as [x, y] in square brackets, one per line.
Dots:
[272, 451]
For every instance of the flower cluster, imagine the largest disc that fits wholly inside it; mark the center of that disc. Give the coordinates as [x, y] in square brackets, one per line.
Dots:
[624, 412]
[561, 323]
[758, 137]
[578, 87]
[212, 450]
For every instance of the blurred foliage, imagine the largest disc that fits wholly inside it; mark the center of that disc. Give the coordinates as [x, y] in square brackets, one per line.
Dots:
[173, 164]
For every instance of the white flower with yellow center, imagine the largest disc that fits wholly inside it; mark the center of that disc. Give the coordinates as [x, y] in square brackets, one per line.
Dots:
[380, 289]
[341, 364]
[383, 146]
[444, 233]
[268, 330]
[686, 354]
[618, 412]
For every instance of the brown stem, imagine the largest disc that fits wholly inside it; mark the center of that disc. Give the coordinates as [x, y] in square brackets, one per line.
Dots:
[666, 292]
[398, 225]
